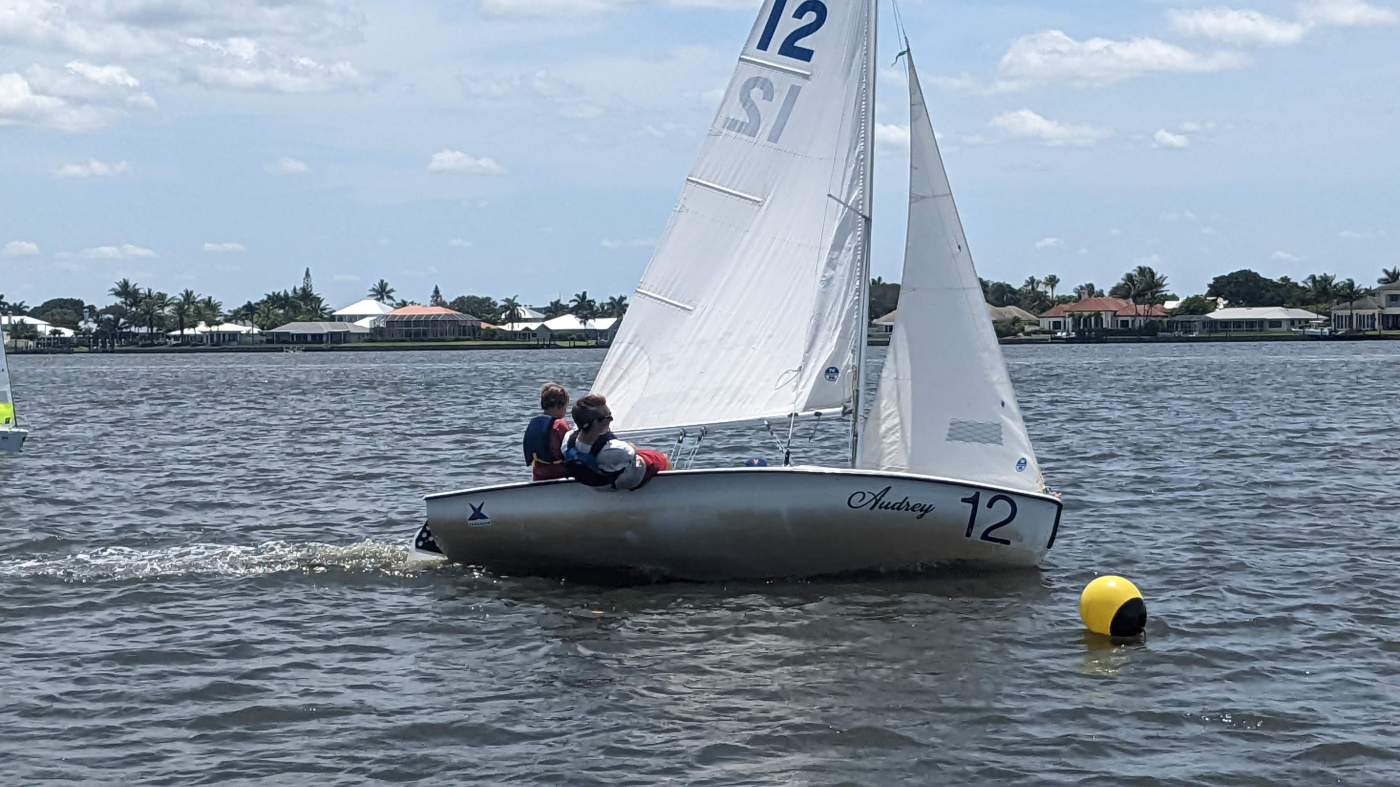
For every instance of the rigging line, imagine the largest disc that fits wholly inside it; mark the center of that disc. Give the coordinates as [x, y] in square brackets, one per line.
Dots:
[899, 24]
[774, 435]
[787, 451]
[676, 451]
[693, 451]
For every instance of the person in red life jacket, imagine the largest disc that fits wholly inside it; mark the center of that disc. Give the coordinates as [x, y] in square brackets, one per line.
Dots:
[595, 457]
[544, 435]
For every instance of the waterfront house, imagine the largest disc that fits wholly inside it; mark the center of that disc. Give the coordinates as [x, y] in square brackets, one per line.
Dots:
[884, 324]
[1093, 314]
[218, 335]
[430, 322]
[360, 310]
[318, 333]
[42, 329]
[1381, 312]
[567, 327]
[1258, 319]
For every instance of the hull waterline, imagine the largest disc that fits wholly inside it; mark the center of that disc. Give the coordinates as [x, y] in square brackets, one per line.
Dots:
[12, 440]
[745, 524]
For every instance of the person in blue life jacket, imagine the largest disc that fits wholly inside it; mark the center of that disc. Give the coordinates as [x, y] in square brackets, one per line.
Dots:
[544, 435]
[594, 456]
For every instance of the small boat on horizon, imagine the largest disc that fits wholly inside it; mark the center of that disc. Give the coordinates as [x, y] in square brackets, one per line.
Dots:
[752, 314]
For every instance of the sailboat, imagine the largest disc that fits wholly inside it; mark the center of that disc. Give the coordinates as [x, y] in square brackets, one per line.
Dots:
[11, 436]
[753, 311]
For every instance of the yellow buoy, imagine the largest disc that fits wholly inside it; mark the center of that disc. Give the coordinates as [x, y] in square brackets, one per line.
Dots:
[1113, 607]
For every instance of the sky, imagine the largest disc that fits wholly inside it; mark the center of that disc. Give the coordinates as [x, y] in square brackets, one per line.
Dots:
[536, 147]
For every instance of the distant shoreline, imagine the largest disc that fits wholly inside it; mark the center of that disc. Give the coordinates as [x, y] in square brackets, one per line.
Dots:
[362, 347]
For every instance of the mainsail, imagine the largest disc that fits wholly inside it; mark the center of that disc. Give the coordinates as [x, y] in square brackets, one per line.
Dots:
[945, 405]
[7, 402]
[749, 307]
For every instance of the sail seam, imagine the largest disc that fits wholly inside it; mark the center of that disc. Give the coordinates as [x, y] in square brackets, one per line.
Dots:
[775, 66]
[664, 299]
[725, 190]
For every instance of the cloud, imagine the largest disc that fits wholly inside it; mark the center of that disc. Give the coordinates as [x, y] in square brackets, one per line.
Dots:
[1237, 27]
[892, 135]
[459, 243]
[455, 161]
[1346, 13]
[224, 248]
[1285, 256]
[551, 7]
[1361, 235]
[635, 243]
[288, 166]
[124, 251]
[107, 76]
[241, 64]
[19, 248]
[1049, 243]
[1165, 139]
[1054, 57]
[92, 168]
[1026, 124]
[345, 278]
[44, 24]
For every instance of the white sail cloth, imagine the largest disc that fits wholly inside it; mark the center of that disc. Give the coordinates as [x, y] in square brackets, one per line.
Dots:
[749, 306]
[945, 406]
[7, 404]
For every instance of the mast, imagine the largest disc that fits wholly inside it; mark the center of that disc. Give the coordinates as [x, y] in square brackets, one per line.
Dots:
[866, 208]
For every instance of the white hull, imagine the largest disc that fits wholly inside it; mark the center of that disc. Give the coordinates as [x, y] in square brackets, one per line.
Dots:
[11, 440]
[748, 523]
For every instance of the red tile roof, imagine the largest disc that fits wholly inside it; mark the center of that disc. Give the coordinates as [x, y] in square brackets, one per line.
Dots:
[1088, 305]
[1119, 307]
[424, 311]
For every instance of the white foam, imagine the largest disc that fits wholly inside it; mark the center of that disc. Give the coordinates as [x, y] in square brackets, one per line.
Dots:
[269, 557]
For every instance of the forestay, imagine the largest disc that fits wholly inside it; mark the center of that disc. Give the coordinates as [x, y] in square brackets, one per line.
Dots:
[945, 406]
[749, 306]
[7, 403]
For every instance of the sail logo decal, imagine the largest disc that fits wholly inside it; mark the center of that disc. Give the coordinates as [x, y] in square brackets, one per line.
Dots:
[877, 501]
[1021, 465]
[478, 518]
[832, 374]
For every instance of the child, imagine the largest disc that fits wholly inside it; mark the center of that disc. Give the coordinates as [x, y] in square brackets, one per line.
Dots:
[544, 436]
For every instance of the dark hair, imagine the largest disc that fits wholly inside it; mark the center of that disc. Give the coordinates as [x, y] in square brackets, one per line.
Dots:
[586, 410]
[553, 395]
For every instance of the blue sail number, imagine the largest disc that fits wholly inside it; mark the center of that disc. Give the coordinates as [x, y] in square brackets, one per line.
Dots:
[789, 47]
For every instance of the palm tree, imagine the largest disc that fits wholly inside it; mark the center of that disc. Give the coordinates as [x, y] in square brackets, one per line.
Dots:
[1389, 276]
[151, 307]
[510, 308]
[1151, 287]
[1348, 291]
[267, 316]
[182, 307]
[616, 306]
[1321, 288]
[555, 308]
[127, 292]
[381, 291]
[1088, 290]
[1032, 284]
[1051, 281]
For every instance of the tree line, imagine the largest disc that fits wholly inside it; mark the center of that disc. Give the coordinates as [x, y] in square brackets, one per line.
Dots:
[152, 312]
[156, 312]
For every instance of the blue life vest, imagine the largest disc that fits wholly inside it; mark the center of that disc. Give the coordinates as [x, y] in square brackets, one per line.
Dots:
[537, 449]
[582, 466]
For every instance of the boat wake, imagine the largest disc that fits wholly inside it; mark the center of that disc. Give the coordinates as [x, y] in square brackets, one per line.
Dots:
[270, 557]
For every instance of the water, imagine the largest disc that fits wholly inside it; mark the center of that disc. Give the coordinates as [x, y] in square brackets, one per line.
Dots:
[204, 578]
